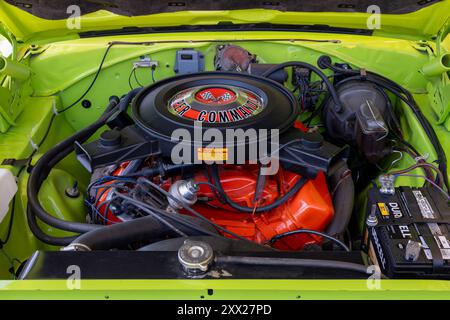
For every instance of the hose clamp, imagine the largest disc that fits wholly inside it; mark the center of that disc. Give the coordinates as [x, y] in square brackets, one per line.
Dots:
[76, 247]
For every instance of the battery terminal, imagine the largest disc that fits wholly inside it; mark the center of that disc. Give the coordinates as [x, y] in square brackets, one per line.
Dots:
[372, 219]
[387, 184]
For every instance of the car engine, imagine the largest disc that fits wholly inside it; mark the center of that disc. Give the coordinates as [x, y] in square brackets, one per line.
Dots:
[226, 155]
[231, 191]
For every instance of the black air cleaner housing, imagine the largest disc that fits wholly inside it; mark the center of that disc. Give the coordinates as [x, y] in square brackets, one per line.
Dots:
[214, 100]
[218, 100]
[195, 103]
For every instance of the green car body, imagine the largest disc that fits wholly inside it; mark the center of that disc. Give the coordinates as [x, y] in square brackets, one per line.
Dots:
[51, 65]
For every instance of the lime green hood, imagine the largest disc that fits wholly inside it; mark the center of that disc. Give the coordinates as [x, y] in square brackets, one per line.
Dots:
[420, 20]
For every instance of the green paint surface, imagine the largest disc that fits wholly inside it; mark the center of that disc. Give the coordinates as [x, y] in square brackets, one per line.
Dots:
[63, 65]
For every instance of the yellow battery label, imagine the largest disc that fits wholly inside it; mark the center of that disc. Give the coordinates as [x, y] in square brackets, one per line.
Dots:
[383, 209]
[212, 154]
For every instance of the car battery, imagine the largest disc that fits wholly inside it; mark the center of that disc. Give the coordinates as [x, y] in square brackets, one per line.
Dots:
[407, 233]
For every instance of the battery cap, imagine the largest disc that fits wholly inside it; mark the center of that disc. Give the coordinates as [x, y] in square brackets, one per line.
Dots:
[412, 250]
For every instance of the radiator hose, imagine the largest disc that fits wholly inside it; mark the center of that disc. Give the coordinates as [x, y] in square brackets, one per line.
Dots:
[148, 229]
[342, 190]
[120, 235]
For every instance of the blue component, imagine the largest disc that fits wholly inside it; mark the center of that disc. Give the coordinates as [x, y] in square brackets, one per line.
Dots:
[189, 61]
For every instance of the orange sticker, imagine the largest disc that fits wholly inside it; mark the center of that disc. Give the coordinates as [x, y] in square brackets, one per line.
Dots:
[383, 209]
[212, 154]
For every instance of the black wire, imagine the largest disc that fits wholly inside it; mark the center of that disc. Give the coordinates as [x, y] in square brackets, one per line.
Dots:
[307, 231]
[154, 198]
[409, 146]
[136, 78]
[315, 113]
[105, 179]
[293, 190]
[194, 212]
[129, 79]
[133, 74]
[442, 160]
[93, 81]
[153, 73]
[212, 186]
[214, 190]
[11, 262]
[47, 132]
[100, 67]
[221, 195]
[405, 96]
[178, 218]
[330, 87]
[161, 219]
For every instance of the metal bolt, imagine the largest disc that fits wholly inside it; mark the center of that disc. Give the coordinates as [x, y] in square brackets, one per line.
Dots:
[372, 219]
[73, 191]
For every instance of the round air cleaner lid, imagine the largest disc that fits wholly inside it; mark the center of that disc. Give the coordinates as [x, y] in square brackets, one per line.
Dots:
[218, 100]
[216, 104]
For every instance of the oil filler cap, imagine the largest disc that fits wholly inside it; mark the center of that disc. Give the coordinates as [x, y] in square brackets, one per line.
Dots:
[195, 256]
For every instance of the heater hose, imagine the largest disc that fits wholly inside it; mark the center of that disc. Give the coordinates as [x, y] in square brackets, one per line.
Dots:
[45, 164]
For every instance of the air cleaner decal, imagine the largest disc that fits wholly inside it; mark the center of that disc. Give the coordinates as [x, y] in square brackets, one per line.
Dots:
[215, 95]
[215, 104]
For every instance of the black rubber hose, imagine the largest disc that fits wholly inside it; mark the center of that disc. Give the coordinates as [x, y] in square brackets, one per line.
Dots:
[343, 193]
[126, 99]
[189, 222]
[292, 262]
[43, 168]
[40, 235]
[44, 165]
[325, 62]
[331, 90]
[48, 161]
[295, 188]
[122, 234]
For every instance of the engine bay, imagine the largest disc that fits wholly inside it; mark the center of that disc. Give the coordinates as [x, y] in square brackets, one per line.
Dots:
[288, 164]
